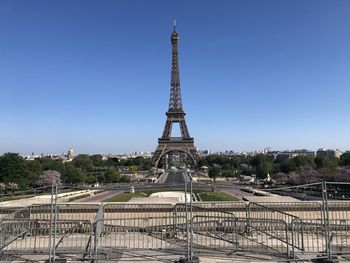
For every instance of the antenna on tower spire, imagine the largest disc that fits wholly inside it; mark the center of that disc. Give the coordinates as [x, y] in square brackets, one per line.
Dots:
[174, 25]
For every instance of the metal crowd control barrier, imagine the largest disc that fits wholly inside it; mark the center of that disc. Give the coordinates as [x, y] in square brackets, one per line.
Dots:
[134, 210]
[13, 226]
[265, 235]
[295, 229]
[127, 234]
[309, 237]
[265, 211]
[66, 211]
[304, 210]
[71, 237]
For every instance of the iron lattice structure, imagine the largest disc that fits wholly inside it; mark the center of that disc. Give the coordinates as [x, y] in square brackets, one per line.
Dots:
[175, 114]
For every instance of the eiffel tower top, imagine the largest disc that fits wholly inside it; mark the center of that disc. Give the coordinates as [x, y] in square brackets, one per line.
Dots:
[175, 102]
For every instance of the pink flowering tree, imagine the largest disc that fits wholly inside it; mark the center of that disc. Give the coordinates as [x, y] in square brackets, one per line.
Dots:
[49, 178]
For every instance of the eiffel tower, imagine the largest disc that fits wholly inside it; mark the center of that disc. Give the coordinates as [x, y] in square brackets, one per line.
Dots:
[175, 114]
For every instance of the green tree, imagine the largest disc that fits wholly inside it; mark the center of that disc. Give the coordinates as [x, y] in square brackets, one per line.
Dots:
[101, 178]
[91, 179]
[2, 188]
[73, 175]
[214, 172]
[13, 169]
[34, 170]
[50, 164]
[345, 159]
[142, 163]
[83, 162]
[203, 162]
[125, 179]
[288, 166]
[328, 165]
[146, 165]
[246, 169]
[133, 168]
[262, 165]
[276, 168]
[97, 160]
[113, 162]
[112, 176]
[226, 166]
[324, 162]
[227, 173]
[302, 161]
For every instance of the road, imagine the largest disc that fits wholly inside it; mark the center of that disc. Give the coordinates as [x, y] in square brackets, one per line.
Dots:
[98, 197]
[176, 177]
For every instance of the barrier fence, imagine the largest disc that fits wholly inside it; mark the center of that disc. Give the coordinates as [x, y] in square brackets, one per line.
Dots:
[298, 230]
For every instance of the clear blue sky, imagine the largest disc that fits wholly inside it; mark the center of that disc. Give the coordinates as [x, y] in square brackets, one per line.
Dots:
[95, 74]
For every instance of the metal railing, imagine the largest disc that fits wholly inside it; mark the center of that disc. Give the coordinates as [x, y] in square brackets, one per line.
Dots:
[294, 229]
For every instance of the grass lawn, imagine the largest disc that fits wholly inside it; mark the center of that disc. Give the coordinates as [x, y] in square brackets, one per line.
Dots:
[125, 197]
[204, 195]
[215, 196]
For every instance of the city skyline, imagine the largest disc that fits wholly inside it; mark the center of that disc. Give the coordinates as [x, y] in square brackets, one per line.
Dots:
[265, 150]
[95, 77]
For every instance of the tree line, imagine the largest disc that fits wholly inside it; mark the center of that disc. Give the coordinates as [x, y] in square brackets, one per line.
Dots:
[16, 172]
[300, 169]
[82, 169]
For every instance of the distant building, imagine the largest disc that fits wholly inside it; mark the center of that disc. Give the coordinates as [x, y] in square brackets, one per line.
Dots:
[129, 155]
[70, 154]
[328, 153]
[31, 157]
[272, 154]
[285, 155]
[204, 152]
